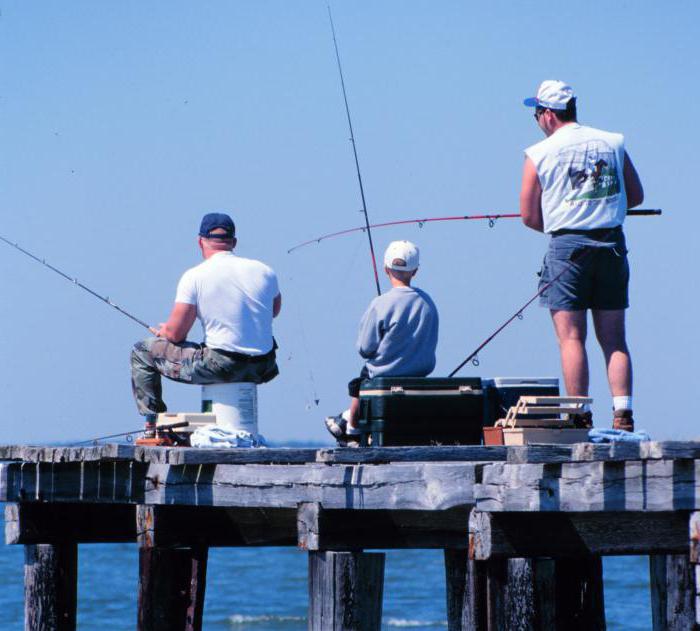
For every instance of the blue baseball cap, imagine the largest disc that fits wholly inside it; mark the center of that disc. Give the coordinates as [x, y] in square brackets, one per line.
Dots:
[213, 221]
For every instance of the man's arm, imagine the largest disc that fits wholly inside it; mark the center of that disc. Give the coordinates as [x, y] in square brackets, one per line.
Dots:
[531, 198]
[277, 305]
[633, 185]
[179, 323]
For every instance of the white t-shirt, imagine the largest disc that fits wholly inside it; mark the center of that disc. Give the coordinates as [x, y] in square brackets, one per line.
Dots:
[234, 298]
[580, 171]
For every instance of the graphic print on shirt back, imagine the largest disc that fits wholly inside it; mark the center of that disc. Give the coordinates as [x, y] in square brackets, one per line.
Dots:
[592, 170]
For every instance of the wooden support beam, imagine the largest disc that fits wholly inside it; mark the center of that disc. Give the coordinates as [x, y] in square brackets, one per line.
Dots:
[345, 591]
[633, 485]
[32, 522]
[404, 486]
[320, 529]
[493, 535]
[171, 588]
[673, 592]
[50, 587]
[167, 526]
[466, 591]
[443, 453]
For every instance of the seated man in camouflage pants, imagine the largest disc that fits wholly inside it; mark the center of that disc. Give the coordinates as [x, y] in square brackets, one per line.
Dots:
[235, 299]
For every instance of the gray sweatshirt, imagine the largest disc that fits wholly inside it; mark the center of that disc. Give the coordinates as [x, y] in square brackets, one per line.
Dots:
[398, 334]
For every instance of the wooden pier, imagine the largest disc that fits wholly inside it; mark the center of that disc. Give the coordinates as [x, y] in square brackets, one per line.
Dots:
[523, 529]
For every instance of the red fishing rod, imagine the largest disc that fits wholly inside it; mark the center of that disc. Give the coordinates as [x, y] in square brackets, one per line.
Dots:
[491, 217]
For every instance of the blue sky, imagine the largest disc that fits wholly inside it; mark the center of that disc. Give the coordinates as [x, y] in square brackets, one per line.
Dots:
[121, 123]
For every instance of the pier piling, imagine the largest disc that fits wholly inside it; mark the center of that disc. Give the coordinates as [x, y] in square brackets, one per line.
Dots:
[345, 591]
[50, 586]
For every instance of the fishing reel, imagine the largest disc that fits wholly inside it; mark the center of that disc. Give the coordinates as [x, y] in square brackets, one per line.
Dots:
[166, 436]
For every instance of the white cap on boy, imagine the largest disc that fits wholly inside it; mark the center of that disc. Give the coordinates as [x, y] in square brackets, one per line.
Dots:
[402, 256]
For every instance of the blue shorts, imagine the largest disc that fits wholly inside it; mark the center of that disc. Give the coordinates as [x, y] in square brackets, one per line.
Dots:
[594, 271]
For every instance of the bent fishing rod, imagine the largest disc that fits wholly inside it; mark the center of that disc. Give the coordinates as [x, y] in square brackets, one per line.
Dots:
[76, 282]
[491, 217]
[473, 356]
[367, 226]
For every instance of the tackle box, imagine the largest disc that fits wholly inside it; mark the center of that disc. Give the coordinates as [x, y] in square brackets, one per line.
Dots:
[421, 411]
[502, 393]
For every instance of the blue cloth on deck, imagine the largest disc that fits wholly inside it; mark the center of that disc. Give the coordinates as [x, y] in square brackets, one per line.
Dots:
[617, 435]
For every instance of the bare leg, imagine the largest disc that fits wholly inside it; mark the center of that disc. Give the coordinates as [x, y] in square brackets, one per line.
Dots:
[354, 412]
[610, 331]
[570, 327]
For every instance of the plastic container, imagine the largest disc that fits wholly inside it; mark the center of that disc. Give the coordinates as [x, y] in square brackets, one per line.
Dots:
[421, 411]
[235, 405]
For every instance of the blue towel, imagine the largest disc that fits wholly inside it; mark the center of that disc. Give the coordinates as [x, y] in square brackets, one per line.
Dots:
[617, 435]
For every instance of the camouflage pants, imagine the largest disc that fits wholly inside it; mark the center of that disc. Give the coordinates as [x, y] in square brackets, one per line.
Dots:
[187, 362]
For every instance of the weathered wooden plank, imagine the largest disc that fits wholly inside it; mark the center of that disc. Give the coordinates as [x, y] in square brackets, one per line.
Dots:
[50, 587]
[171, 588]
[345, 591]
[283, 455]
[466, 592]
[321, 529]
[651, 485]
[93, 481]
[455, 453]
[167, 526]
[401, 486]
[673, 592]
[493, 535]
[155, 455]
[34, 522]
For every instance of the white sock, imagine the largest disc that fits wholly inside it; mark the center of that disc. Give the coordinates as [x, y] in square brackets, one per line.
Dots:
[622, 403]
[345, 414]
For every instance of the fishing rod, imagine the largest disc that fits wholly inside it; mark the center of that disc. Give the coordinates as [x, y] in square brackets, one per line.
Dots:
[165, 428]
[491, 217]
[76, 282]
[354, 151]
[473, 356]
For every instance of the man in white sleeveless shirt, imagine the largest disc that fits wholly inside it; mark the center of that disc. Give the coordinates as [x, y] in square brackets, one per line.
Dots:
[577, 186]
[235, 299]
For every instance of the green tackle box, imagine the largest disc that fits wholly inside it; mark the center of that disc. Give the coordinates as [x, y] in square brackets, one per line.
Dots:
[421, 411]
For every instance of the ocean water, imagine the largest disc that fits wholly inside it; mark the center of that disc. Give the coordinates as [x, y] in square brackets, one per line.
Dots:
[265, 589]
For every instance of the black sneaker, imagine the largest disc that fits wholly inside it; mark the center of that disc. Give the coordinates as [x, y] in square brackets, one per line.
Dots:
[622, 419]
[336, 425]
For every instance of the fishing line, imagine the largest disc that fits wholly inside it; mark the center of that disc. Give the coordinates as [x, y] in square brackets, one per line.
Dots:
[76, 282]
[473, 356]
[490, 217]
[354, 151]
[307, 354]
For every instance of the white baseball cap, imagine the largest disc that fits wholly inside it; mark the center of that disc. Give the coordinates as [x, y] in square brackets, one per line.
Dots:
[552, 94]
[402, 256]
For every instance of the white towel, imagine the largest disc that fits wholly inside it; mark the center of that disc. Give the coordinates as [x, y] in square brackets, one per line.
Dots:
[213, 436]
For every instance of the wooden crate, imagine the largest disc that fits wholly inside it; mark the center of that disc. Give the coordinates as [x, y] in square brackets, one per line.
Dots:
[529, 435]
